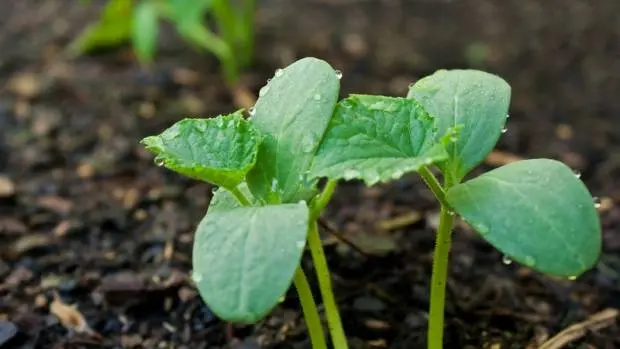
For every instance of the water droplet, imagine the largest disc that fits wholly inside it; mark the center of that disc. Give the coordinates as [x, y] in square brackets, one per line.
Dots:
[268, 80]
[451, 213]
[196, 276]
[411, 85]
[530, 261]
[279, 72]
[338, 74]
[263, 91]
[160, 162]
[308, 143]
[300, 244]
[504, 130]
[577, 174]
[481, 228]
[252, 111]
[572, 278]
[506, 260]
[317, 97]
[274, 185]
[281, 299]
[347, 103]
[597, 202]
[351, 173]
[507, 116]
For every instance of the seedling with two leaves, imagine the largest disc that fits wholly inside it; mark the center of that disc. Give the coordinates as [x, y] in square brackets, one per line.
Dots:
[248, 247]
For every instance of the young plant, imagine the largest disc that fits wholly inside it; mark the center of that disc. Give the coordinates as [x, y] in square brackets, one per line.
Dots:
[127, 20]
[248, 247]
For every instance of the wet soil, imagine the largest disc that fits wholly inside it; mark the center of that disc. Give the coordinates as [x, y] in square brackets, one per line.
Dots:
[86, 219]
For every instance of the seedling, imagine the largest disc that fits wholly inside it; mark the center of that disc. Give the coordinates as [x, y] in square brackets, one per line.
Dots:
[248, 247]
[138, 21]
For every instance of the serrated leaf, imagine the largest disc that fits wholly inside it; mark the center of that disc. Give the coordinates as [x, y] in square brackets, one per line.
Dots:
[476, 100]
[377, 139]
[292, 112]
[536, 212]
[145, 30]
[218, 150]
[244, 259]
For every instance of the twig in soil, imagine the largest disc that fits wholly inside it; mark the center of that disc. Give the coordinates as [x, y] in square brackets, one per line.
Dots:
[595, 322]
[330, 229]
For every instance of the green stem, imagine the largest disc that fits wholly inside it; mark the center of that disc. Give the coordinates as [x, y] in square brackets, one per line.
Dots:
[243, 200]
[311, 313]
[322, 200]
[247, 24]
[439, 278]
[339, 340]
[433, 184]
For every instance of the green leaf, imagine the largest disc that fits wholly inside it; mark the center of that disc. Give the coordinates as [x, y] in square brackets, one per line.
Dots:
[219, 150]
[188, 12]
[377, 138]
[244, 259]
[536, 212]
[224, 200]
[292, 112]
[145, 30]
[111, 30]
[477, 100]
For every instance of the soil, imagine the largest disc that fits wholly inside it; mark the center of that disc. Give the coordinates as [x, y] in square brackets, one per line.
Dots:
[86, 219]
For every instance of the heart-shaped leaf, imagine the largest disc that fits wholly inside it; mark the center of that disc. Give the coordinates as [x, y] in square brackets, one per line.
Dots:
[292, 112]
[377, 138]
[219, 150]
[535, 212]
[474, 99]
[244, 259]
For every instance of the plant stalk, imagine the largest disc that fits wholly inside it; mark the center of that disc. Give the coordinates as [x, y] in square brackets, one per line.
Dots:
[339, 340]
[439, 278]
[311, 312]
[243, 200]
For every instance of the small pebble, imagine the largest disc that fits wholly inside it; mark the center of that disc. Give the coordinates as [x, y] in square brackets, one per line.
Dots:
[7, 187]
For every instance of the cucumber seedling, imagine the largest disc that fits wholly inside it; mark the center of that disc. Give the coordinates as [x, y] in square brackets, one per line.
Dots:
[248, 247]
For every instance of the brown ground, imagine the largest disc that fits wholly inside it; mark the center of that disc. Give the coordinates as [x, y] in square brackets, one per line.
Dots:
[84, 212]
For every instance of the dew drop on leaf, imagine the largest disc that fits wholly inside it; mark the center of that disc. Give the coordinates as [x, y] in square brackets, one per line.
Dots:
[450, 213]
[350, 173]
[252, 111]
[507, 116]
[597, 201]
[577, 174]
[263, 91]
[504, 130]
[196, 276]
[339, 74]
[317, 97]
[481, 228]
[308, 143]
[506, 260]
[279, 72]
[530, 261]
[274, 185]
[572, 278]
[160, 162]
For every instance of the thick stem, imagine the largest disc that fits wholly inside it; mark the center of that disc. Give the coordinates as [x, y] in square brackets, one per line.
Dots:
[311, 313]
[323, 199]
[433, 184]
[339, 340]
[439, 278]
[243, 200]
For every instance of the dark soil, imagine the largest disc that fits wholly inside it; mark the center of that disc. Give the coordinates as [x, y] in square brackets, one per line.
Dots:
[86, 214]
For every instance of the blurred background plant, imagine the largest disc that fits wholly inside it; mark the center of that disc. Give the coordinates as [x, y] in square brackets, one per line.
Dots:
[221, 27]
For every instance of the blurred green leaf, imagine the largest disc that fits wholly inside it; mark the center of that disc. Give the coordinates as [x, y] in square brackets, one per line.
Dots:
[111, 30]
[145, 31]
